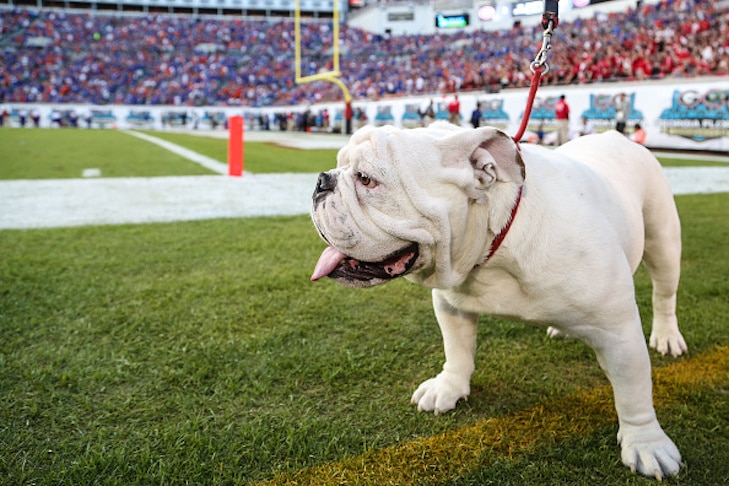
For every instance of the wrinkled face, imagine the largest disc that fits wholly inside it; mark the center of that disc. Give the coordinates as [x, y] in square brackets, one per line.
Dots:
[364, 209]
[394, 201]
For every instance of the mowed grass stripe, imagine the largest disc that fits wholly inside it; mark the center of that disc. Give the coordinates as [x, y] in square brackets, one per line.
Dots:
[436, 458]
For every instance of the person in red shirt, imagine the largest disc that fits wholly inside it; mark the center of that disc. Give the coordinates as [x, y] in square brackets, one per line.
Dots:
[454, 111]
[562, 113]
[348, 118]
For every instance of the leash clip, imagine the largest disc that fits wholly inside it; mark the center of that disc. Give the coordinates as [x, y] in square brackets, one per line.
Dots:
[540, 61]
[539, 66]
[550, 19]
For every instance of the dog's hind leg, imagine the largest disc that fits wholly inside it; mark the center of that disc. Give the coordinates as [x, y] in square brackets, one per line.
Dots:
[624, 356]
[662, 258]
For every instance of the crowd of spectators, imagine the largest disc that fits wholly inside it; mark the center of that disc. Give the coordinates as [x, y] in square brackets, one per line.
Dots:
[72, 56]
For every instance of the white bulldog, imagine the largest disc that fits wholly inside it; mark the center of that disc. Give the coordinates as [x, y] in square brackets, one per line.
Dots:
[546, 237]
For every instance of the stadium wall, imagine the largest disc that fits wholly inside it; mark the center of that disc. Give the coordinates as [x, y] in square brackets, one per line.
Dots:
[677, 114]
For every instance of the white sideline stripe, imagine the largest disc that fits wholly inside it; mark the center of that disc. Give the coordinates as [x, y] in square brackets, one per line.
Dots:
[78, 202]
[200, 159]
[698, 180]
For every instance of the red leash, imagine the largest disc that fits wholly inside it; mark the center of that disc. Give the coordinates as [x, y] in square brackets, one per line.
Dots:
[536, 80]
[539, 66]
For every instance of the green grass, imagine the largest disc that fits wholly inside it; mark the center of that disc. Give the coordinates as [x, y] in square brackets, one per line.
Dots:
[689, 162]
[200, 353]
[258, 157]
[51, 153]
[61, 154]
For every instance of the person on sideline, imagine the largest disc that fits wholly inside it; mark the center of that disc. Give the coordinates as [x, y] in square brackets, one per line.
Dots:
[639, 135]
[476, 116]
[454, 111]
[427, 116]
[622, 106]
[562, 113]
[586, 127]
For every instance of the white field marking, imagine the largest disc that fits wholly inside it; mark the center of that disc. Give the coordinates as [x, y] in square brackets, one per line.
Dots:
[91, 173]
[200, 159]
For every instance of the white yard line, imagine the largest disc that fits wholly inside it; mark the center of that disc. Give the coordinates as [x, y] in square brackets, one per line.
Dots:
[79, 202]
[203, 160]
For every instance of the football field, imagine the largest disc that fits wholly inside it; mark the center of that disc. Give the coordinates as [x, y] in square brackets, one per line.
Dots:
[161, 328]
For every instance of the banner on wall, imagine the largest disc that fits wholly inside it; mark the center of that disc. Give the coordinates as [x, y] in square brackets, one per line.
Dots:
[697, 115]
[694, 116]
[676, 115]
[602, 112]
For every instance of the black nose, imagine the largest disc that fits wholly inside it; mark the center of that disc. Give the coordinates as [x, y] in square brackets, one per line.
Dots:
[324, 185]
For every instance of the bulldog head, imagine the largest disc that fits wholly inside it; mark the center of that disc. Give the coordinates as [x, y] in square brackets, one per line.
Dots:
[422, 202]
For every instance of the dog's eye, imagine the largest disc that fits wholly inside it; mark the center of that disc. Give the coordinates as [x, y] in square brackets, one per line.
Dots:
[366, 180]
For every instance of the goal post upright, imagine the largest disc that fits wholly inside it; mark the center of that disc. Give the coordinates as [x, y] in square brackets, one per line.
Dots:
[330, 76]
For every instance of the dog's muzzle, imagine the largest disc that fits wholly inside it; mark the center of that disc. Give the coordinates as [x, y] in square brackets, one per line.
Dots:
[325, 184]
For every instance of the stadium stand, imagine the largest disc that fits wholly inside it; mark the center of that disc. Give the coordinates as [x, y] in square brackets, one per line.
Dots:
[72, 56]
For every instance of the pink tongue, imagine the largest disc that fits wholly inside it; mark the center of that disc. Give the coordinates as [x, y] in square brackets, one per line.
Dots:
[328, 261]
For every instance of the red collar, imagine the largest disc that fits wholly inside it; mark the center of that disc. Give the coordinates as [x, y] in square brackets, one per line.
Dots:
[502, 234]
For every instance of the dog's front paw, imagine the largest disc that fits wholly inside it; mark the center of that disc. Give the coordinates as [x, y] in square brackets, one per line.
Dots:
[553, 333]
[668, 341]
[441, 393]
[649, 451]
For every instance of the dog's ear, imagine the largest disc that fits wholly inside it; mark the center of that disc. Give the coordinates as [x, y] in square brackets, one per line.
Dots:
[493, 155]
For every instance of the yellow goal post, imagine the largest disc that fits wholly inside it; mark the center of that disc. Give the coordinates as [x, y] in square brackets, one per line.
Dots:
[331, 76]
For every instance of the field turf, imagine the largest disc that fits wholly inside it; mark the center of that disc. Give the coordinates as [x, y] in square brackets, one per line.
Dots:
[200, 353]
[65, 153]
